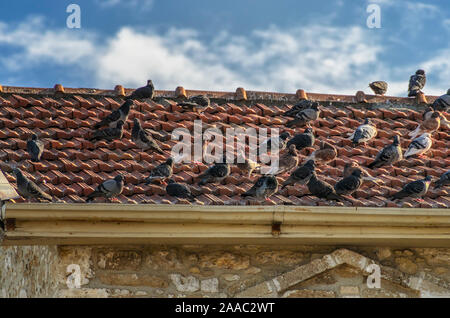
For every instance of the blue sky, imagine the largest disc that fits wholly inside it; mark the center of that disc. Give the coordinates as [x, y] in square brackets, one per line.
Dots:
[321, 46]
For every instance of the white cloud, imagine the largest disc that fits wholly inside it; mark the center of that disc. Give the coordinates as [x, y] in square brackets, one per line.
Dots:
[142, 4]
[316, 58]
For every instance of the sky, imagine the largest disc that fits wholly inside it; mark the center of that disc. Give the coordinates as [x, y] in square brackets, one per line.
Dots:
[280, 46]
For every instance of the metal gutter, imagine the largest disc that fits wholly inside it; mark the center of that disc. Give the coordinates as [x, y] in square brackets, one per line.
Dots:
[100, 224]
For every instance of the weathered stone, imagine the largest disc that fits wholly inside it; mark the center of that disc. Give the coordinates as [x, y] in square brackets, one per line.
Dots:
[231, 277]
[305, 293]
[185, 284]
[224, 260]
[406, 265]
[194, 270]
[383, 253]
[252, 270]
[381, 293]
[141, 293]
[250, 288]
[83, 293]
[132, 279]
[166, 260]
[130, 260]
[285, 258]
[349, 290]
[346, 271]
[210, 285]
[434, 256]
[440, 270]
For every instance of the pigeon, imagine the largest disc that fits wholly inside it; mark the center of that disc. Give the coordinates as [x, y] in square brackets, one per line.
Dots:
[143, 139]
[108, 189]
[389, 155]
[304, 117]
[442, 103]
[109, 134]
[415, 189]
[325, 154]
[196, 103]
[246, 164]
[161, 172]
[35, 148]
[416, 83]
[286, 162]
[364, 132]
[264, 187]
[28, 189]
[179, 191]
[352, 166]
[119, 114]
[349, 184]
[419, 145]
[279, 142]
[444, 180]
[215, 173]
[304, 140]
[379, 87]
[300, 175]
[303, 105]
[147, 91]
[430, 125]
[322, 189]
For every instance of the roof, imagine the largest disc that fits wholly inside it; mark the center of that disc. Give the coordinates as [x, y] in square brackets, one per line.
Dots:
[72, 166]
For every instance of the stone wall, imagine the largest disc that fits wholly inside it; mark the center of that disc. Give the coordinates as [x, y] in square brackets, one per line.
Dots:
[222, 271]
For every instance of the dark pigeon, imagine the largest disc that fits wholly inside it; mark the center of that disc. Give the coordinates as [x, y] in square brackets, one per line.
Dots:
[147, 91]
[322, 189]
[263, 188]
[143, 139]
[415, 189]
[196, 103]
[349, 184]
[416, 83]
[215, 173]
[109, 134]
[304, 140]
[179, 191]
[302, 105]
[120, 114]
[35, 148]
[301, 175]
[28, 189]
[108, 189]
[379, 87]
[304, 117]
[364, 132]
[389, 155]
[161, 172]
[442, 103]
[443, 181]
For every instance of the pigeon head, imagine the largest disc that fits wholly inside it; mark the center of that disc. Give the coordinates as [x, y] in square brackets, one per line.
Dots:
[34, 137]
[170, 162]
[285, 135]
[293, 150]
[308, 130]
[119, 178]
[310, 163]
[435, 115]
[120, 124]
[170, 181]
[367, 121]
[448, 91]
[17, 172]
[357, 173]
[428, 179]
[150, 83]
[420, 72]
[136, 122]
[315, 106]
[396, 140]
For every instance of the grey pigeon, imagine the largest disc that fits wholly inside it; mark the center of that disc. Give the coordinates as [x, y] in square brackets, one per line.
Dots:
[416, 83]
[389, 155]
[196, 103]
[28, 189]
[286, 162]
[364, 132]
[109, 134]
[108, 189]
[301, 175]
[279, 142]
[304, 117]
[379, 87]
[442, 103]
[415, 189]
[161, 172]
[35, 148]
[419, 145]
[322, 189]
[304, 140]
[179, 191]
[147, 91]
[444, 180]
[349, 184]
[302, 105]
[264, 187]
[215, 173]
[143, 139]
[119, 114]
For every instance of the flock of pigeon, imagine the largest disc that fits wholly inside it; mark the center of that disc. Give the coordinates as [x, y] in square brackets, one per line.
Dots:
[302, 114]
